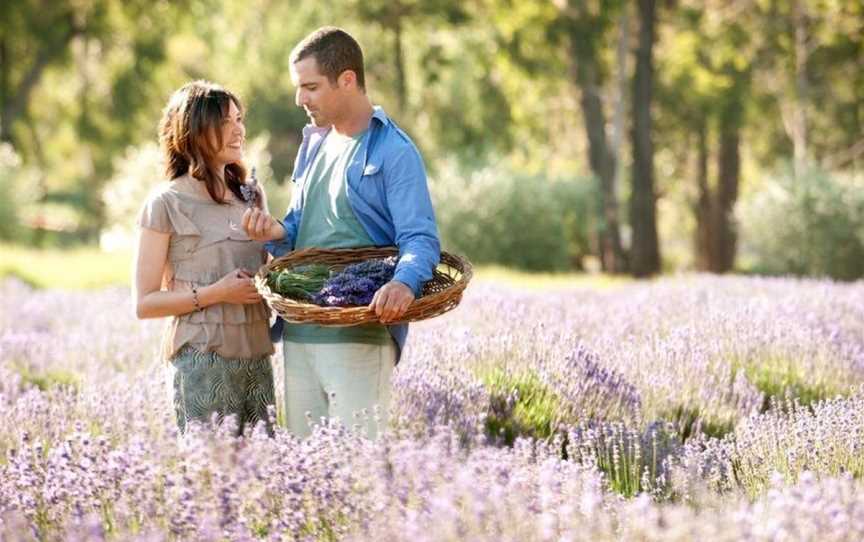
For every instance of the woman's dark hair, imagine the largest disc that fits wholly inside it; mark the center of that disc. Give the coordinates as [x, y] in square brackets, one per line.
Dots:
[190, 122]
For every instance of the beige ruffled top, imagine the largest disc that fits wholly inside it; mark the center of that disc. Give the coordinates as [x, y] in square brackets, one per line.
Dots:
[207, 242]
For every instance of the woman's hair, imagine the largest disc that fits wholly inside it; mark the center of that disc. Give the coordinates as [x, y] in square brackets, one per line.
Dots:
[190, 122]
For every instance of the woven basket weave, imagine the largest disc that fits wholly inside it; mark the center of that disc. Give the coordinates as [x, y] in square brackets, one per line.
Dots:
[440, 294]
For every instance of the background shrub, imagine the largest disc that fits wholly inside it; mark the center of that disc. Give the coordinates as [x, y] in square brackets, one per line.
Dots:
[498, 216]
[18, 186]
[812, 225]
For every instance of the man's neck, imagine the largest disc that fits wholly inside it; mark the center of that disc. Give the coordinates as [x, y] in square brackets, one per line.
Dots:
[358, 118]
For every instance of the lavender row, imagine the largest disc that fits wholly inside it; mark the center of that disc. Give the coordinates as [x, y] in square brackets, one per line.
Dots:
[726, 408]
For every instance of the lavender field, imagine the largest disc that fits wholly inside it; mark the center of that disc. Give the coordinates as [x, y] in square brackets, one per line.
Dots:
[690, 408]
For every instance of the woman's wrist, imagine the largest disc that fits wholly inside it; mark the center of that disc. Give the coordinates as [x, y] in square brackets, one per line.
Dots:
[277, 231]
[196, 303]
[209, 295]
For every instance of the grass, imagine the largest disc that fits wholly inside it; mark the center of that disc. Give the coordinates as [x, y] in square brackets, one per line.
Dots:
[521, 406]
[80, 268]
[49, 379]
[544, 281]
[84, 268]
[688, 420]
[779, 378]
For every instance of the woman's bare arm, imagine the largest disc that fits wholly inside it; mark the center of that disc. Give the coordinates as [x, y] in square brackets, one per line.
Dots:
[151, 301]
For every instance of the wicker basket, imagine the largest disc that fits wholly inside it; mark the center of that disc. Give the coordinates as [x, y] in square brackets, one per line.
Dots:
[440, 294]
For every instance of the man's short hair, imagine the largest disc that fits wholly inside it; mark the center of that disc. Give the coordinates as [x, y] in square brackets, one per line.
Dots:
[335, 51]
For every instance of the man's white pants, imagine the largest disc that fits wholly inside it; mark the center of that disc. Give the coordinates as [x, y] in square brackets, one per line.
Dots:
[338, 380]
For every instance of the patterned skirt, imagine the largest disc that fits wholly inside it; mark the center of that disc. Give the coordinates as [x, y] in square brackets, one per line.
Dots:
[208, 386]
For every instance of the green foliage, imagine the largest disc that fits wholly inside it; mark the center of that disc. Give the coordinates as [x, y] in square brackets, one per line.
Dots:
[299, 285]
[618, 460]
[782, 379]
[629, 459]
[473, 83]
[18, 188]
[136, 174]
[84, 81]
[463, 108]
[77, 268]
[497, 216]
[690, 420]
[812, 225]
[793, 439]
[520, 406]
[46, 380]
[523, 406]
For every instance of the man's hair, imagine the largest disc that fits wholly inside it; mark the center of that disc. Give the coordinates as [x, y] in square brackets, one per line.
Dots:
[335, 51]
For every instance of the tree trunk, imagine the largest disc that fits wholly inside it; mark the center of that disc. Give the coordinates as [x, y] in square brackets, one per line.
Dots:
[802, 89]
[621, 76]
[725, 238]
[584, 70]
[619, 134]
[399, 60]
[5, 130]
[703, 205]
[645, 250]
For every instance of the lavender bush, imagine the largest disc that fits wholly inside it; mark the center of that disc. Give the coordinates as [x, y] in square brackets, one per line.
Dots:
[690, 407]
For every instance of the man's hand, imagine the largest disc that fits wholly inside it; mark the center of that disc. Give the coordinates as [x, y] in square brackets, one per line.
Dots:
[261, 226]
[391, 301]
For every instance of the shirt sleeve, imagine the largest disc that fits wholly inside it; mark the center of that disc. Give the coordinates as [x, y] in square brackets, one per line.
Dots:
[410, 206]
[154, 215]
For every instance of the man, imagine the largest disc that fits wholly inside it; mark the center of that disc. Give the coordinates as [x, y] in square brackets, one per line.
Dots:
[359, 181]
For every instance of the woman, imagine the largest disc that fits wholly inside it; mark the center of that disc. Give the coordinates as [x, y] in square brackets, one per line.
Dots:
[195, 264]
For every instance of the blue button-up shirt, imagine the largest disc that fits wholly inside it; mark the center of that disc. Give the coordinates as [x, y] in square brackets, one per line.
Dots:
[387, 190]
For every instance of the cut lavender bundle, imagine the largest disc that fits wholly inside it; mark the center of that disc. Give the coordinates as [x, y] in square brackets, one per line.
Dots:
[356, 284]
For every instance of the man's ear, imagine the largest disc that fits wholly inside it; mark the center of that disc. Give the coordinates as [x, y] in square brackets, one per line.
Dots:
[347, 79]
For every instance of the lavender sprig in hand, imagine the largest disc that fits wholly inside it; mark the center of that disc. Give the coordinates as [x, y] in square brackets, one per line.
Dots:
[249, 190]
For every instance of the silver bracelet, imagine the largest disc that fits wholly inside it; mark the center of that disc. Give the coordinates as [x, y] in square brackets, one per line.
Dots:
[195, 299]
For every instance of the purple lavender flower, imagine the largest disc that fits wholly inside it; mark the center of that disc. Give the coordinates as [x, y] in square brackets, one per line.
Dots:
[102, 457]
[249, 190]
[356, 284]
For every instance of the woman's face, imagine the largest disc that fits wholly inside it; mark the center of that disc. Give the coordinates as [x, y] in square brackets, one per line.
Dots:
[233, 136]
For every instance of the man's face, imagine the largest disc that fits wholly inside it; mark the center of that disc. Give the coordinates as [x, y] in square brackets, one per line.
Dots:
[321, 100]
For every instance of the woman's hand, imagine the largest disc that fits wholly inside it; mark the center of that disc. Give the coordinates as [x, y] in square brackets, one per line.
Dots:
[260, 225]
[237, 287]
[261, 202]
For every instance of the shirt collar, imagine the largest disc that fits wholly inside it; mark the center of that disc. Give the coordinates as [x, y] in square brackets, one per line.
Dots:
[377, 114]
[310, 129]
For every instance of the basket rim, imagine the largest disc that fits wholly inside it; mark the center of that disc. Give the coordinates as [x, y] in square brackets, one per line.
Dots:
[424, 306]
